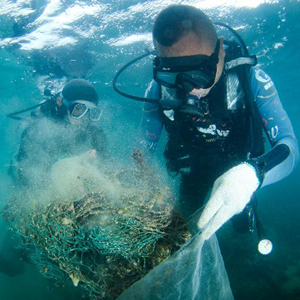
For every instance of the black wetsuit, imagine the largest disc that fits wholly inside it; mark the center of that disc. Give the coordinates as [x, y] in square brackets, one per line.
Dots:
[214, 144]
[45, 140]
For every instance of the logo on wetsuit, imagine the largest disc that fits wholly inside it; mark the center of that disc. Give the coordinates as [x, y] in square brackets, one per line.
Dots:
[204, 131]
[213, 130]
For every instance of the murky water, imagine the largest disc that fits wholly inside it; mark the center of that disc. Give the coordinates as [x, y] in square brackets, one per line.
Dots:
[93, 39]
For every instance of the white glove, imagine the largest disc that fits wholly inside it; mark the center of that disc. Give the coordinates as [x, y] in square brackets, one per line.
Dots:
[231, 193]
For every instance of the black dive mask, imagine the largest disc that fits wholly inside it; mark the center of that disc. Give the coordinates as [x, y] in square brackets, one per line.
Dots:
[188, 72]
[185, 74]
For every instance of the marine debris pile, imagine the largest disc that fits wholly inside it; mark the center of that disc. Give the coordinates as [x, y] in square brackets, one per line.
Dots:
[99, 243]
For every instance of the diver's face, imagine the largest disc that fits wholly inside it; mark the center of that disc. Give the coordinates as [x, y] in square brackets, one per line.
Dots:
[188, 46]
[79, 114]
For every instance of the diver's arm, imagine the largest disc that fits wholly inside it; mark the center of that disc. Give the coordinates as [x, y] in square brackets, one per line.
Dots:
[151, 124]
[18, 162]
[31, 154]
[234, 189]
[97, 138]
[28, 155]
[277, 163]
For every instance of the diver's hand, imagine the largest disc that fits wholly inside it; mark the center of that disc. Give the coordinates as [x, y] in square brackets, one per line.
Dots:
[231, 193]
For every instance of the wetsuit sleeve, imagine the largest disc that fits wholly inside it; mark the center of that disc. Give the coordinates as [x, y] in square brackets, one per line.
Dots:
[151, 124]
[97, 139]
[40, 146]
[20, 161]
[284, 154]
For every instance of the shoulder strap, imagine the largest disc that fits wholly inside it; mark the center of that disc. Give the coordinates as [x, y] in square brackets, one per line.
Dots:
[242, 64]
[255, 130]
[241, 61]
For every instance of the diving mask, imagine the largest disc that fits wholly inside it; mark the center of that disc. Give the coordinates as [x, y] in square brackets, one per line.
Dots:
[187, 72]
[79, 108]
[183, 75]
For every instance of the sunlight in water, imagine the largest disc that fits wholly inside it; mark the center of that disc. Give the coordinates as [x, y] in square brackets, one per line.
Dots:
[228, 3]
[58, 25]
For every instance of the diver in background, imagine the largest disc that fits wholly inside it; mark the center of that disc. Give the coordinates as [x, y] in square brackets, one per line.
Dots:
[213, 111]
[65, 126]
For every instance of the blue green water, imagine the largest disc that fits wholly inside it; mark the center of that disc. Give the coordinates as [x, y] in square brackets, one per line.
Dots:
[94, 39]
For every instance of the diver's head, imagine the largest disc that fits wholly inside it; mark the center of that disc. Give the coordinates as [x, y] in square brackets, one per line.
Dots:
[81, 99]
[186, 43]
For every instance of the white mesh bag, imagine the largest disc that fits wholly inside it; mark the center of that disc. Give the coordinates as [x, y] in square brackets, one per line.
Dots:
[196, 271]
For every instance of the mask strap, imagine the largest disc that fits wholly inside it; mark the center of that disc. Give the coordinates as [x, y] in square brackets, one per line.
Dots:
[66, 103]
[215, 55]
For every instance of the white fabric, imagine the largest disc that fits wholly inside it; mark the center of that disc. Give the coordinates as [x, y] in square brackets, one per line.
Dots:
[231, 193]
[194, 272]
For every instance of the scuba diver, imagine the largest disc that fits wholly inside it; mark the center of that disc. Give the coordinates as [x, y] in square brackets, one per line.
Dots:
[64, 125]
[214, 104]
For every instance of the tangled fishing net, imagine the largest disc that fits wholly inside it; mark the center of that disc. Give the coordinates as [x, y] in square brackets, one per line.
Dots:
[96, 241]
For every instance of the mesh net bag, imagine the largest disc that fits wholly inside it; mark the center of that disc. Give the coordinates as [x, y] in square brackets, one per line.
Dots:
[196, 271]
[123, 242]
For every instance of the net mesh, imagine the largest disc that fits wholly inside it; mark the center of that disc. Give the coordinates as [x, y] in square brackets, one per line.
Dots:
[99, 243]
[129, 244]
